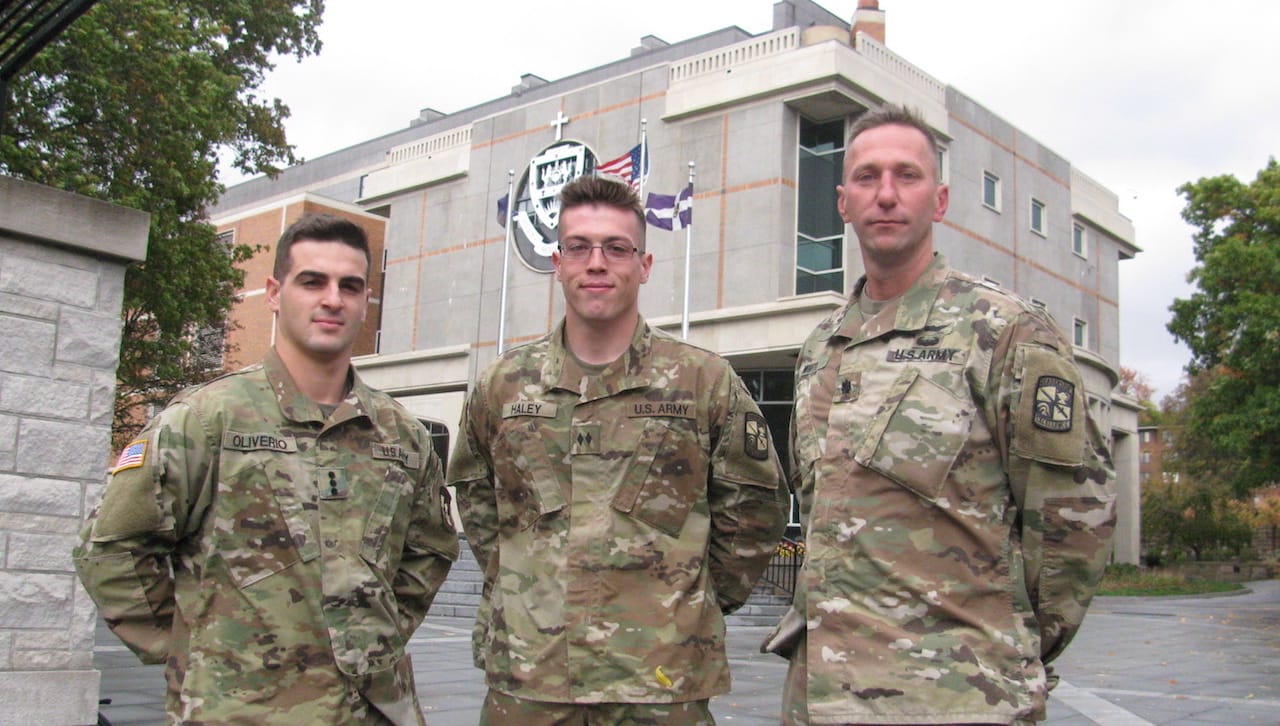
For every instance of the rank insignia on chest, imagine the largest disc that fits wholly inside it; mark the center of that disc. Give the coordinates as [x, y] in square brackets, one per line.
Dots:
[585, 439]
[332, 483]
[756, 439]
[1055, 404]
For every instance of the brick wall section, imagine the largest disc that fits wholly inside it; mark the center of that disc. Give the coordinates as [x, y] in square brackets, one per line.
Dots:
[62, 266]
[250, 335]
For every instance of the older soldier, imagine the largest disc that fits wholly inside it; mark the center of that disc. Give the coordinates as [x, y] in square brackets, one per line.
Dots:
[958, 498]
[276, 535]
[621, 493]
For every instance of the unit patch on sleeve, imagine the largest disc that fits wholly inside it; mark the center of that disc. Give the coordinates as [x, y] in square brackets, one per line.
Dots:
[756, 437]
[1055, 401]
[133, 456]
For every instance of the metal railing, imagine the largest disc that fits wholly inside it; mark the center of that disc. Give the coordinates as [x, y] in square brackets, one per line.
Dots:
[784, 569]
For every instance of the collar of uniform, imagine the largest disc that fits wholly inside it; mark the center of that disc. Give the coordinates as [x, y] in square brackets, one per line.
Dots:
[909, 312]
[631, 370]
[295, 406]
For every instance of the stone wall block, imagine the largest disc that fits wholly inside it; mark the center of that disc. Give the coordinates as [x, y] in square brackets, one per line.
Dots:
[25, 307]
[6, 648]
[89, 339]
[28, 346]
[44, 552]
[32, 495]
[14, 522]
[63, 449]
[31, 278]
[34, 601]
[42, 397]
[102, 398]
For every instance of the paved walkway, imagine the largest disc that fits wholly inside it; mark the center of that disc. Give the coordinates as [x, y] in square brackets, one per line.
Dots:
[1179, 661]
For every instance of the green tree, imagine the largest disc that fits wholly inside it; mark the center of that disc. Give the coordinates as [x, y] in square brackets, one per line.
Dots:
[1232, 325]
[133, 104]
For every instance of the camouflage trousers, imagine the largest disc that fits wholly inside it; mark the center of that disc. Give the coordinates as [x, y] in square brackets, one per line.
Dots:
[503, 710]
[795, 694]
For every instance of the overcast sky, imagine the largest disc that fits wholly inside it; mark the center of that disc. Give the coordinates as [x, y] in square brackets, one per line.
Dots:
[1141, 95]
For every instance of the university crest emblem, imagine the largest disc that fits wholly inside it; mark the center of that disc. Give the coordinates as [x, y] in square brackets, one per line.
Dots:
[536, 215]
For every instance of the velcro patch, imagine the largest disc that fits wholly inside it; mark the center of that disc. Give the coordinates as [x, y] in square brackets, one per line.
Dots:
[756, 437]
[395, 452]
[1055, 403]
[269, 441]
[529, 408]
[675, 409]
[133, 456]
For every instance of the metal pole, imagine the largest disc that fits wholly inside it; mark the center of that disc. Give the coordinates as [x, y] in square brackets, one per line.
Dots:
[644, 156]
[688, 255]
[506, 260]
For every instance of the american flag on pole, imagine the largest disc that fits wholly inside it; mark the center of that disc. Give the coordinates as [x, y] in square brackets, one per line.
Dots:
[628, 166]
[132, 456]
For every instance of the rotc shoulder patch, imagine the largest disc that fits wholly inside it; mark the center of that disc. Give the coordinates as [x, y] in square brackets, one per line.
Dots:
[133, 456]
[1055, 403]
[756, 437]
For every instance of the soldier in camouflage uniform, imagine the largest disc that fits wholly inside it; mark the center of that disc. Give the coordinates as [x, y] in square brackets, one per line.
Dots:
[276, 535]
[620, 491]
[958, 498]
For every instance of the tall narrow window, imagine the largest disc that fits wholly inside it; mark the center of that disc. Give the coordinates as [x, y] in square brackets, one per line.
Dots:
[819, 229]
[1079, 243]
[1080, 336]
[1037, 216]
[991, 191]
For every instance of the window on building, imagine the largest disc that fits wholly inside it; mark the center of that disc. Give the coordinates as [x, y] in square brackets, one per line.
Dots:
[1037, 216]
[1146, 437]
[226, 239]
[819, 229]
[439, 439]
[773, 390]
[991, 191]
[1079, 243]
[1144, 477]
[944, 171]
[1146, 457]
[1080, 335]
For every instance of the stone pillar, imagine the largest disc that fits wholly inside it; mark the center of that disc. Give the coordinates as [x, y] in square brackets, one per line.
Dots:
[62, 265]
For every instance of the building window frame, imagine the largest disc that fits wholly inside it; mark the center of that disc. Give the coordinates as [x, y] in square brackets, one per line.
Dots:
[820, 233]
[1037, 216]
[991, 191]
[1079, 240]
[1080, 333]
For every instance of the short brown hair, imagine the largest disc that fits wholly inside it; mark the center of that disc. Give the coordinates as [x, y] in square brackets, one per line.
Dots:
[588, 190]
[319, 227]
[894, 115]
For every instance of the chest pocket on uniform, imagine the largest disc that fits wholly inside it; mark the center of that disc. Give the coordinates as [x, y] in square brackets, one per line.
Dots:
[527, 485]
[916, 434]
[259, 522]
[667, 476]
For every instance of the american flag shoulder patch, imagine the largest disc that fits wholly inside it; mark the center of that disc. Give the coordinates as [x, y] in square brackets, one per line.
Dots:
[132, 457]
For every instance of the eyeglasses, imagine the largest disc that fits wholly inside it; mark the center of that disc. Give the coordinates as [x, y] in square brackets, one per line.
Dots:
[613, 251]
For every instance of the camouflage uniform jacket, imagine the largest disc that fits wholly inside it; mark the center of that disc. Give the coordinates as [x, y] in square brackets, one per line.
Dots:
[274, 559]
[958, 500]
[616, 516]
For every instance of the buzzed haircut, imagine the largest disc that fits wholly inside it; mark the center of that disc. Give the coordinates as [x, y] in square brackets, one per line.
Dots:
[319, 227]
[895, 115]
[589, 190]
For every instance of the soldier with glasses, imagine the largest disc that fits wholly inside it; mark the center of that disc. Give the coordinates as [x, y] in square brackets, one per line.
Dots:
[620, 490]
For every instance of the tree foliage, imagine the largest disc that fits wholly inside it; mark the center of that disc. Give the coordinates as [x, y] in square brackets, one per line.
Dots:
[1232, 324]
[133, 104]
[1181, 520]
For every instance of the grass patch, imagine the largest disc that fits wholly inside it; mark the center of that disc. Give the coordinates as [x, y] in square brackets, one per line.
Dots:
[1131, 580]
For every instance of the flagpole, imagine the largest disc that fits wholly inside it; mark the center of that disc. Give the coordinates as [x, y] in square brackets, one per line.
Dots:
[506, 260]
[688, 258]
[644, 155]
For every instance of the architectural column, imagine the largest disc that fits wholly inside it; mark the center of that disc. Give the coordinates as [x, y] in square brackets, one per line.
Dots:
[62, 266]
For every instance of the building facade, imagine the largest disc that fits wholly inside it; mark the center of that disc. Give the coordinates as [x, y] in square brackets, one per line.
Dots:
[759, 123]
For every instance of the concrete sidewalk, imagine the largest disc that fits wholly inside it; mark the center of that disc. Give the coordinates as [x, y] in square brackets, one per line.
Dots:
[1178, 661]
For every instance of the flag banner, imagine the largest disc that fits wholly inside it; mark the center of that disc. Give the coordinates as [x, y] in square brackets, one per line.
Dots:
[627, 166]
[502, 211]
[673, 212]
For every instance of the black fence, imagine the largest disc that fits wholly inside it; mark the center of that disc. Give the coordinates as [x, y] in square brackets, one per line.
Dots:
[784, 568]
